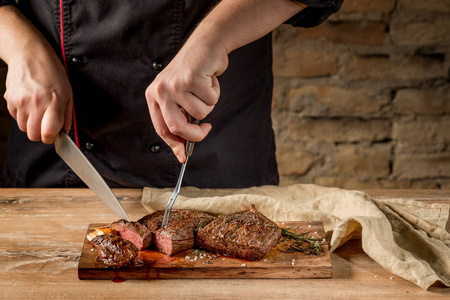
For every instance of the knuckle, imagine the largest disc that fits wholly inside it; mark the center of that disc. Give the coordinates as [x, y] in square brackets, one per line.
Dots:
[211, 99]
[161, 132]
[35, 100]
[174, 128]
[189, 79]
[48, 137]
[201, 115]
[155, 88]
[160, 88]
[149, 92]
[33, 137]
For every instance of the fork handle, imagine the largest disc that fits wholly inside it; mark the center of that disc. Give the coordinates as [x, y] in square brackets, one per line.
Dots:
[190, 145]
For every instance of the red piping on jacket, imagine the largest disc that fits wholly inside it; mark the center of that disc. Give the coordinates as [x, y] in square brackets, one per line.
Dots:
[61, 25]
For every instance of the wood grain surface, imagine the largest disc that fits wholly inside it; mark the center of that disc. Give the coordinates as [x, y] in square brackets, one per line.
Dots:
[189, 264]
[42, 233]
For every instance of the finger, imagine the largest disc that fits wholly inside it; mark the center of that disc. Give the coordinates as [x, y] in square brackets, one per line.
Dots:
[34, 126]
[207, 89]
[173, 141]
[178, 125]
[12, 110]
[22, 120]
[52, 122]
[68, 115]
[194, 106]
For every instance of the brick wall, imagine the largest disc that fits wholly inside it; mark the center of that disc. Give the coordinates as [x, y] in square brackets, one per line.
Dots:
[362, 101]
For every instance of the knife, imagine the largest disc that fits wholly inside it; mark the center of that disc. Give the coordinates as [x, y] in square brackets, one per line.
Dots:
[76, 160]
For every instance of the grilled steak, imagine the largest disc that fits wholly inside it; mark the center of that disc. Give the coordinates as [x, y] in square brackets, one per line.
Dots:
[248, 235]
[179, 235]
[114, 251]
[134, 232]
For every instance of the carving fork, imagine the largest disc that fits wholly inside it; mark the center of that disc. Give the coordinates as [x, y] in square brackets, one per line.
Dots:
[176, 191]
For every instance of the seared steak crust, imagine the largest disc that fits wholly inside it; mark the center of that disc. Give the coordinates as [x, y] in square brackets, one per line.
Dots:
[113, 251]
[179, 235]
[134, 232]
[248, 235]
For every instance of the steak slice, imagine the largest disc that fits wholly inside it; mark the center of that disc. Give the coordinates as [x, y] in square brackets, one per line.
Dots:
[134, 232]
[248, 235]
[114, 251]
[179, 234]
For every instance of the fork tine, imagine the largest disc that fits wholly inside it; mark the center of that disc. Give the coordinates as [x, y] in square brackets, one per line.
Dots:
[169, 209]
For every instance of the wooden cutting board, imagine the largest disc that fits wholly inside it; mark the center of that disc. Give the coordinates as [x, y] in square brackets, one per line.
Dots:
[202, 264]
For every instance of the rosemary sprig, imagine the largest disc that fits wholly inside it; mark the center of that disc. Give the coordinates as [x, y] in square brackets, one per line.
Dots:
[297, 239]
[199, 225]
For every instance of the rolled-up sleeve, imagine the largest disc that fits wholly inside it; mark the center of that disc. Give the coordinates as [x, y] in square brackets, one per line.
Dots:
[7, 2]
[316, 12]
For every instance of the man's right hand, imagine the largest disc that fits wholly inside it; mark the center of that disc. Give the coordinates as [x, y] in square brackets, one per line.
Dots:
[38, 92]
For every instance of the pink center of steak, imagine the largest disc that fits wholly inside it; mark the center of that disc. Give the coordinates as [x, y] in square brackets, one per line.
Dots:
[134, 232]
[179, 235]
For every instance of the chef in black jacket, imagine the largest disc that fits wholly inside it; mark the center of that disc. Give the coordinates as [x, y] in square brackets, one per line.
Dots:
[120, 77]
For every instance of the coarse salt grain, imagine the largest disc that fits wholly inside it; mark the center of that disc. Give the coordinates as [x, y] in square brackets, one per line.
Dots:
[187, 257]
[92, 249]
[391, 277]
[309, 226]
[375, 276]
[243, 265]
[265, 260]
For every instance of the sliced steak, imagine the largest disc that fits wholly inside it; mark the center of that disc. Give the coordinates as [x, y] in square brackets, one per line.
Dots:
[134, 232]
[114, 251]
[248, 235]
[179, 235]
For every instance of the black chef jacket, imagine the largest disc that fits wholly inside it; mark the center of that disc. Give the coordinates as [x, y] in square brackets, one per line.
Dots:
[113, 50]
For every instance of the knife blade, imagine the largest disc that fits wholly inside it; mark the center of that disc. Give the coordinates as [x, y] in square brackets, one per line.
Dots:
[76, 160]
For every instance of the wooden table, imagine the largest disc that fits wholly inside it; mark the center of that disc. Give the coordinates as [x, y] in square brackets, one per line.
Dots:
[42, 233]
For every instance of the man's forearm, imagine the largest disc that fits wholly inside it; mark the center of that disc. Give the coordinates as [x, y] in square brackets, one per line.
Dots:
[235, 23]
[38, 92]
[17, 35]
[189, 83]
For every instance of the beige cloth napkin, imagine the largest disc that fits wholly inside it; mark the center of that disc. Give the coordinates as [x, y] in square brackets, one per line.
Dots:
[404, 236]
